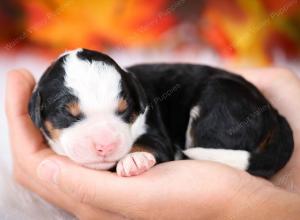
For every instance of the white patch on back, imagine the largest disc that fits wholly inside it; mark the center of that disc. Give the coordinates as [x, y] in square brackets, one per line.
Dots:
[194, 113]
[96, 83]
[235, 158]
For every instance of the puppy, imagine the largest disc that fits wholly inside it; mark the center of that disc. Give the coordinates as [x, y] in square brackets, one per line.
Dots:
[104, 117]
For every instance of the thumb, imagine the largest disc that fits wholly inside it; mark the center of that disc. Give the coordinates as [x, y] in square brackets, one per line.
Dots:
[101, 189]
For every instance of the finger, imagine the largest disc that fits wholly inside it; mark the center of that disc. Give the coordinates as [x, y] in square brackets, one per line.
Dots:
[27, 140]
[91, 213]
[60, 199]
[102, 189]
[20, 84]
[257, 76]
[47, 192]
[267, 79]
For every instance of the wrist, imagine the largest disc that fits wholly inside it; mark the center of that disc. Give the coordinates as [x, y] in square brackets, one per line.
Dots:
[264, 201]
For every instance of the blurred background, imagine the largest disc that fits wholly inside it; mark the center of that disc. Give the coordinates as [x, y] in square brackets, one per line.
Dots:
[216, 32]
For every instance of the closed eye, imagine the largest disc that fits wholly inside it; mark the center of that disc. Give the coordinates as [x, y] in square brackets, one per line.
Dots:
[73, 109]
[126, 111]
[123, 112]
[62, 118]
[77, 117]
[128, 115]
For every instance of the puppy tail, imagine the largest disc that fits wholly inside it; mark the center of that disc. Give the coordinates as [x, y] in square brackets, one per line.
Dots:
[275, 153]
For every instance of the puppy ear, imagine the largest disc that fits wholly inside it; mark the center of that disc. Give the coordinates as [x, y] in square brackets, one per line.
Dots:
[35, 106]
[136, 91]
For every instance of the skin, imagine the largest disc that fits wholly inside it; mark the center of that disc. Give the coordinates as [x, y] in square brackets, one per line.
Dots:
[173, 190]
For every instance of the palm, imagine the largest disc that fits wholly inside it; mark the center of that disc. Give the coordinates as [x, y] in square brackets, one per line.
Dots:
[170, 189]
[282, 89]
[214, 183]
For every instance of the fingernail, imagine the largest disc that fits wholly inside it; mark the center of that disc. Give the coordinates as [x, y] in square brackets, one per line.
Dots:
[48, 171]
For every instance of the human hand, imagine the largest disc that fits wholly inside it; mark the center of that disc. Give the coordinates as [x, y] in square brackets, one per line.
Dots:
[282, 88]
[29, 149]
[174, 190]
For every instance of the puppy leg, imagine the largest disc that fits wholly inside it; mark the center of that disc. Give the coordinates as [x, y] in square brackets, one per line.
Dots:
[135, 163]
[235, 158]
[148, 150]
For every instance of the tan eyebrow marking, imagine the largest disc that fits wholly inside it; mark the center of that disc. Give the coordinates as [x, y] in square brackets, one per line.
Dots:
[73, 108]
[54, 132]
[122, 105]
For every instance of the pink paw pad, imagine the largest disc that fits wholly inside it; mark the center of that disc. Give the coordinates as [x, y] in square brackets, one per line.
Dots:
[135, 163]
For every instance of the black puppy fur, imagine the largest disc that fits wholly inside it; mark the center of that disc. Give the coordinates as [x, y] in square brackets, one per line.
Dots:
[233, 113]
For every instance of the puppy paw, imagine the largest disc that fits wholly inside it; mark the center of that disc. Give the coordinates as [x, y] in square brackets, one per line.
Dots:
[135, 163]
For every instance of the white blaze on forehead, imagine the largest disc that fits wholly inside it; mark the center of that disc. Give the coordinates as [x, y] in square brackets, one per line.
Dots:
[96, 84]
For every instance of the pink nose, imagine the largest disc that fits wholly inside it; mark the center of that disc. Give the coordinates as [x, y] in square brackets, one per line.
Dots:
[104, 150]
[106, 142]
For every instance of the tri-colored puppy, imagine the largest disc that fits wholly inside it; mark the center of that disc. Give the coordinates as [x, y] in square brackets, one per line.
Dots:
[102, 116]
